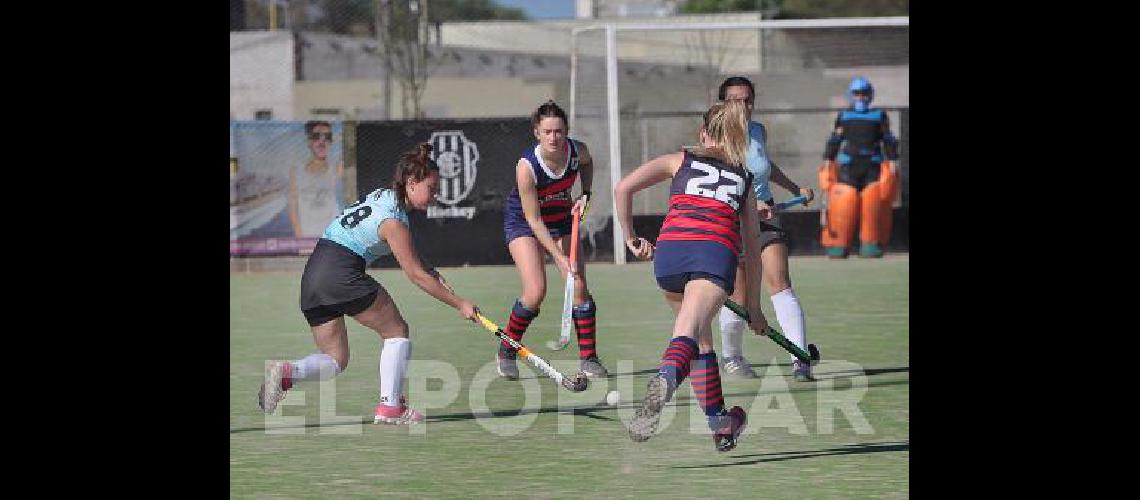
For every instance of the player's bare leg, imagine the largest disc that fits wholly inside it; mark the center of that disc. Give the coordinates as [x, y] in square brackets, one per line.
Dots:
[331, 338]
[694, 309]
[528, 257]
[788, 312]
[585, 318]
[732, 331]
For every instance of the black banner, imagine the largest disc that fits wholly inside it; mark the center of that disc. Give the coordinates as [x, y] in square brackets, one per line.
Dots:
[477, 161]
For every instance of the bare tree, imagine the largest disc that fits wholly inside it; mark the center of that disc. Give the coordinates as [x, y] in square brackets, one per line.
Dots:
[710, 50]
[402, 27]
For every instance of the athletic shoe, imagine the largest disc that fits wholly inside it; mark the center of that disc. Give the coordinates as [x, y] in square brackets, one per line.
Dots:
[870, 250]
[737, 366]
[593, 368]
[727, 428]
[802, 371]
[645, 420]
[508, 367]
[277, 381]
[397, 415]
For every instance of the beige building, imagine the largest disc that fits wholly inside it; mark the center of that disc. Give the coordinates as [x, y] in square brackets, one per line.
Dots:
[503, 68]
[666, 79]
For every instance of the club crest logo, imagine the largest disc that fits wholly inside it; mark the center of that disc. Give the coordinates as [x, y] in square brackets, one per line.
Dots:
[457, 158]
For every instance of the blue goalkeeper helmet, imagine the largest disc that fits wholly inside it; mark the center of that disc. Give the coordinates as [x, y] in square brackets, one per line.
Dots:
[863, 102]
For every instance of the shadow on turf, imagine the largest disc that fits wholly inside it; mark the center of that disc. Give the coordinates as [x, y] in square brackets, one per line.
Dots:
[866, 371]
[366, 420]
[780, 456]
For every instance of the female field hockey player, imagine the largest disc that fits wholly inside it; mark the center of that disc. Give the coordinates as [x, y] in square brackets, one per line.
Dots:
[334, 284]
[537, 217]
[695, 262]
[773, 248]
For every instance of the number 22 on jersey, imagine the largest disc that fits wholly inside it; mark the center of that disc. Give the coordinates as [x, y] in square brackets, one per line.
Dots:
[720, 185]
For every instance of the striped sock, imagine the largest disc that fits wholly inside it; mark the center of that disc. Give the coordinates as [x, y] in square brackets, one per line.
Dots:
[516, 327]
[706, 383]
[584, 324]
[675, 363]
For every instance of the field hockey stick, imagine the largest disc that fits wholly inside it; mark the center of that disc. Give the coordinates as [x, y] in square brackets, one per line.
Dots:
[568, 294]
[575, 383]
[791, 202]
[585, 207]
[811, 357]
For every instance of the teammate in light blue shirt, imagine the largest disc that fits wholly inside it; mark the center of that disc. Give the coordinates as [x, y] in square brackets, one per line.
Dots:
[335, 284]
[757, 161]
[773, 244]
[358, 226]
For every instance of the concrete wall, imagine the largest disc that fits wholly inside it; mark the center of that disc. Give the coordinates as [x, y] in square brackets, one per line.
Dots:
[261, 74]
[443, 97]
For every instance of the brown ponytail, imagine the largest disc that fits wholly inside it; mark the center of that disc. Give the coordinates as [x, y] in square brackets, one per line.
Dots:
[415, 164]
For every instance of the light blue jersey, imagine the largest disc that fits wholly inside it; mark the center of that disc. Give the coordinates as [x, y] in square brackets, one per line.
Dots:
[757, 160]
[358, 226]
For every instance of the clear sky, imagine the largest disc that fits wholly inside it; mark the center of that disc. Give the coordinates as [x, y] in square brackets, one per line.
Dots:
[542, 9]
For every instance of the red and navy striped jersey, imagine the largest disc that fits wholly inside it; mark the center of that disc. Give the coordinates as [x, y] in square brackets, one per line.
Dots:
[707, 196]
[554, 197]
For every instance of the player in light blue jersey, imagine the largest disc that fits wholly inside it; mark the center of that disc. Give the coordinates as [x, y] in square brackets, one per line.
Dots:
[773, 244]
[335, 284]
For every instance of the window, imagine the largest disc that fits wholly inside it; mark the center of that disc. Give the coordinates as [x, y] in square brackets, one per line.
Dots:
[327, 113]
[263, 114]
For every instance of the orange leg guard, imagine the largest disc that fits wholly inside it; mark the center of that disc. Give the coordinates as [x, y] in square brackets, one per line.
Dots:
[876, 211]
[842, 217]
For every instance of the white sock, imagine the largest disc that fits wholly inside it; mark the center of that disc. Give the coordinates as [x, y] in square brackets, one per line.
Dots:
[731, 333]
[790, 316]
[317, 366]
[393, 365]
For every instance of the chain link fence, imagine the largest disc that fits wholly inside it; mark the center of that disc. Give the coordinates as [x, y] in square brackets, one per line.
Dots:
[326, 61]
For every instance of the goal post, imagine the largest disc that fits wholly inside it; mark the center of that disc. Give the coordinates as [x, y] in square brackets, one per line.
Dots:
[807, 60]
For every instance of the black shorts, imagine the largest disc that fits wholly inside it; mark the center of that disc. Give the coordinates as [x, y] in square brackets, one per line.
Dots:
[334, 284]
[859, 172]
[771, 231]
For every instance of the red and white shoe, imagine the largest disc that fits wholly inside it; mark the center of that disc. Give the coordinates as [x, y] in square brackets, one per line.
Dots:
[278, 379]
[397, 415]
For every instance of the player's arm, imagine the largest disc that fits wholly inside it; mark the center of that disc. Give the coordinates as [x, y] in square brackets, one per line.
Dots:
[528, 196]
[648, 174]
[890, 142]
[832, 148]
[399, 239]
[752, 265]
[585, 174]
[779, 178]
[294, 219]
[827, 172]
